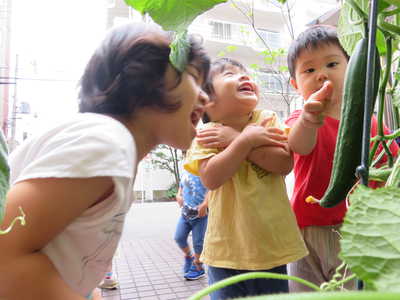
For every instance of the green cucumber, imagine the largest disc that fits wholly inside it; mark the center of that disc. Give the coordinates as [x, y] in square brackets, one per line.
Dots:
[347, 155]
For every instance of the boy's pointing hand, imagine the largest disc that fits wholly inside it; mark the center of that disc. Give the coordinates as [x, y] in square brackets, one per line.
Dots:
[315, 106]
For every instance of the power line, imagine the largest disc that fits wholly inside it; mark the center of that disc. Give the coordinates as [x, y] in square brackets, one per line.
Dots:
[38, 79]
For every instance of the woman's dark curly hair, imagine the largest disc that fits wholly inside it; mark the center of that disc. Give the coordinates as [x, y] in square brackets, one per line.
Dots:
[127, 71]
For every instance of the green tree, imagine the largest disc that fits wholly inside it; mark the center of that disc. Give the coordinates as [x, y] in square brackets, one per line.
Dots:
[167, 158]
[273, 60]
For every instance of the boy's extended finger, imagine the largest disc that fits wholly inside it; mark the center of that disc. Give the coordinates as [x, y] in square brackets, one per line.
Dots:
[323, 93]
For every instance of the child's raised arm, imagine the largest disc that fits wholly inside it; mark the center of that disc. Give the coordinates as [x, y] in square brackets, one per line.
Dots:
[221, 136]
[273, 157]
[50, 206]
[278, 160]
[303, 135]
[216, 170]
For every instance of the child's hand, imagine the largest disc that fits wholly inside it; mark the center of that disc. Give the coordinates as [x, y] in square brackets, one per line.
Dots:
[258, 136]
[202, 208]
[179, 200]
[216, 137]
[312, 115]
[273, 132]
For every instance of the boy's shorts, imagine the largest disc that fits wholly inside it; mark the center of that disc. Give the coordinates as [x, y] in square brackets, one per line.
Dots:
[321, 263]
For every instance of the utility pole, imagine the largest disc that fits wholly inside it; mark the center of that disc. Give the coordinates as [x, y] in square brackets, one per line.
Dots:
[5, 45]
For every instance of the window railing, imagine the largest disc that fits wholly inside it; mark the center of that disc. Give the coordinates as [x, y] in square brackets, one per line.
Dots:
[235, 34]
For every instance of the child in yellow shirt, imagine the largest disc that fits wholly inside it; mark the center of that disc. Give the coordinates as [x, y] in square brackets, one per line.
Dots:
[251, 225]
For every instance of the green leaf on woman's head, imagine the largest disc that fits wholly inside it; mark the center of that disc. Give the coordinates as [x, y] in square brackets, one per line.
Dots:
[370, 242]
[180, 51]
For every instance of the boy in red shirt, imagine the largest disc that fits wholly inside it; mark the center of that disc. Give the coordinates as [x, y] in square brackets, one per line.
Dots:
[317, 65]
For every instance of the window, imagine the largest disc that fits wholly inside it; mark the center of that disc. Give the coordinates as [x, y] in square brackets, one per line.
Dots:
[270, 83]
[271, 38]
[221, 31]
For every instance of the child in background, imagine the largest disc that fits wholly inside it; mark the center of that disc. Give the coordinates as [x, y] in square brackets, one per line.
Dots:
[251, 226]
[192, 199]
[74, 182]
[317, 64]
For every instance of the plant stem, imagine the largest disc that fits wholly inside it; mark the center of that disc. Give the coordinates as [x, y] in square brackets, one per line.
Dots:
[381, 107]
[394, 177]
[21, 220]
[246, 276]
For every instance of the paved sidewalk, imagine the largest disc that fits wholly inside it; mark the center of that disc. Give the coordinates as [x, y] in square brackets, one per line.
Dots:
[148, 263]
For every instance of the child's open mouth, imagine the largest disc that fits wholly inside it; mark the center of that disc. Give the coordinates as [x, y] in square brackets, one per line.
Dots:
[246, 87]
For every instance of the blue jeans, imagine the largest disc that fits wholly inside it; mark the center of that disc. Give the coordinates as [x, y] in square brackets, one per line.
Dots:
[246, 288]
[198, 228]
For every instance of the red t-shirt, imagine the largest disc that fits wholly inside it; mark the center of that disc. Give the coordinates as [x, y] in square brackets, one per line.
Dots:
[312, 174]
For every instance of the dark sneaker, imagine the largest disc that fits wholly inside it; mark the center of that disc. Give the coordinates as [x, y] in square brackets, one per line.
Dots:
[196, 271]
[187, 264]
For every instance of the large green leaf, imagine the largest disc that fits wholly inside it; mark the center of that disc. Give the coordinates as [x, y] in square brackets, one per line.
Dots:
[370, 237]
[174, 15]
[4, 174]
[350, 33]
[393, 2]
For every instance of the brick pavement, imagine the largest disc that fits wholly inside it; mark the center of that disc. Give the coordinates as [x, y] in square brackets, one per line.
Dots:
[148, 263]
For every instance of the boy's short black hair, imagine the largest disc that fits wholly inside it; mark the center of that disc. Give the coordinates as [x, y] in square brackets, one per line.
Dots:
[127, 71]
[310, 39]
[217, 67]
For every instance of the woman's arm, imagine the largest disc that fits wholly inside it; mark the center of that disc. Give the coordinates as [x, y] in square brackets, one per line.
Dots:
[50, 206]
